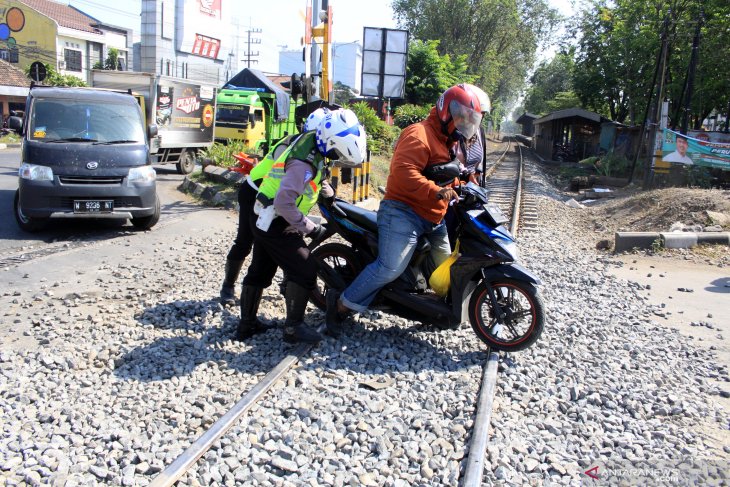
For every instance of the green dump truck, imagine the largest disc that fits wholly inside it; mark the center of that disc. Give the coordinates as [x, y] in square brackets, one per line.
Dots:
[254, 109]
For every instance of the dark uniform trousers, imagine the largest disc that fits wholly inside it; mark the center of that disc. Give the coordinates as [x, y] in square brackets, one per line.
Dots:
[244, 238]
[273, 249]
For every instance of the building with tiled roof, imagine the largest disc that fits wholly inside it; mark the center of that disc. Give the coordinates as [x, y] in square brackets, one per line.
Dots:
[57, 34]
[14, 85]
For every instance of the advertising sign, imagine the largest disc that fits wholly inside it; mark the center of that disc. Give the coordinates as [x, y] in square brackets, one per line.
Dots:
[200, 27]
[682, 149]
[184, 112]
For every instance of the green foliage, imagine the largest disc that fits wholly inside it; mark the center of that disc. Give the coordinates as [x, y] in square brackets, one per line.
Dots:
[429, 73]
[408, 114]
[112, 59]
[551, 86]
[381, 136]
[222, 154]
[343, 93]
[612, 164]
[53, 78]
[698, 177]
[619, 42]
[498, 38]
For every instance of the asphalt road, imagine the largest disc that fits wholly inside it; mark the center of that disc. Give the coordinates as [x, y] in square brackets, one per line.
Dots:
[176, 206]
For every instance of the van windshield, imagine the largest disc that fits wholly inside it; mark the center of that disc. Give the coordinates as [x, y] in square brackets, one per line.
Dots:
[85, 121]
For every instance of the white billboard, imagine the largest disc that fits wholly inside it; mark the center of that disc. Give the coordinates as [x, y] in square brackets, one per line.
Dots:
[385, 53]
[202, 27]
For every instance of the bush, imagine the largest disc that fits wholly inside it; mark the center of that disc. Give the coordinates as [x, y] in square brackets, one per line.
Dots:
[222, 154]
[612, 164]
[381, 136]
[406, 115]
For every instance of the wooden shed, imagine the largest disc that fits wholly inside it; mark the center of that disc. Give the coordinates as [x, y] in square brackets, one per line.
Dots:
[577, 130]
[526, 120]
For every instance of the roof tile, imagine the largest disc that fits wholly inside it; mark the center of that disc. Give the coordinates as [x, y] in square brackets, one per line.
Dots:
[65, 15]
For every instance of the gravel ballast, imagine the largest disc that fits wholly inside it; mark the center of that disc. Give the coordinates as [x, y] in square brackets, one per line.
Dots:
[127, 377]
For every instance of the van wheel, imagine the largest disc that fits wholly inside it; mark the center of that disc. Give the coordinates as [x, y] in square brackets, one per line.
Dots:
[186, 163]
[25, 222]
[147, 222]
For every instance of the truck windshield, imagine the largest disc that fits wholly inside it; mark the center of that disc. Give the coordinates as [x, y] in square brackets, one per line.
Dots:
[232, 113]
[83, 120]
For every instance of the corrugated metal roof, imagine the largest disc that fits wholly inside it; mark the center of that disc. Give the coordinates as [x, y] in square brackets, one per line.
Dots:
[571, 112]
[64, 15]
[12, 76]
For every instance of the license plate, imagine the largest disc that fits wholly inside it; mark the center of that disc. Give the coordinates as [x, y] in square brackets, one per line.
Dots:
[93, 206]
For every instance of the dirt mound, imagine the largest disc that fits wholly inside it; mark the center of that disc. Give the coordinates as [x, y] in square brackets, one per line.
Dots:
[657, 210]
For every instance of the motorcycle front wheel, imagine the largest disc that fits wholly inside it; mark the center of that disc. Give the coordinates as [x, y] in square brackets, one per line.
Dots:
[523, 315]
[338, 266]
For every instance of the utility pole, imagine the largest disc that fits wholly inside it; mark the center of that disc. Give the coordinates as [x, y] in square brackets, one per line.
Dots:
[251, 40]
[648, 167]
[691, 74]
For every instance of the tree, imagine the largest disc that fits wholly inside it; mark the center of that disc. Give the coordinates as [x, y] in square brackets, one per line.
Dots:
[550, 79]
[498, 38]
[53, 78]
[428, 74]
[343, 93]
[112, 61]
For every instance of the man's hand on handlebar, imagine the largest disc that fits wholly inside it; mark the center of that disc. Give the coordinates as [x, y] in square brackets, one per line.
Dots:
[447, 194]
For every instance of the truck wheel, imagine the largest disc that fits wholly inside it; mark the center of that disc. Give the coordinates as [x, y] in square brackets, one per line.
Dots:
[25, 222]
[147, 222]
[186, 163]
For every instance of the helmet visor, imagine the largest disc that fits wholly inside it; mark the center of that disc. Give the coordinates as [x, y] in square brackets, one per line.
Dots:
[466, 120]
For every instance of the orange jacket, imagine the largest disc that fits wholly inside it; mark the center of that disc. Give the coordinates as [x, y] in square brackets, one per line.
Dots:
[420, 145]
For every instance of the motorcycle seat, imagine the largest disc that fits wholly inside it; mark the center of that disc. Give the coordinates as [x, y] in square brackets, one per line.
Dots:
[367, 219]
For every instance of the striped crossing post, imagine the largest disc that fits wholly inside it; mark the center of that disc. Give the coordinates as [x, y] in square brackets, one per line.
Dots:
[355, 181]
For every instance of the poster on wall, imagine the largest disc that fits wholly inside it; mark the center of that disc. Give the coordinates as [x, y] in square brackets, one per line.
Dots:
[700, 150]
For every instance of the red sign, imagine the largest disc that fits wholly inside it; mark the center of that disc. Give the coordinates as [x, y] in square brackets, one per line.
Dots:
[206, 46]
[211, 7]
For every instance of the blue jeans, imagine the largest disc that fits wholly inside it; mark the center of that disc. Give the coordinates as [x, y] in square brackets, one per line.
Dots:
[398, 230]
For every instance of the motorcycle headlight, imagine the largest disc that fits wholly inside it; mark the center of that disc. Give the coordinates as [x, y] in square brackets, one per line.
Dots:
[35, 173]
[142, 174]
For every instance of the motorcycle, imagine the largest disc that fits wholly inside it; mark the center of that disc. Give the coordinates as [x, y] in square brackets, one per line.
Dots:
[501, 297]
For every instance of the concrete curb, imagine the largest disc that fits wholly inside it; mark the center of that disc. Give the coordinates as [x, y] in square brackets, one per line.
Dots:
[10, 146]
[216, 197]
[625, 241]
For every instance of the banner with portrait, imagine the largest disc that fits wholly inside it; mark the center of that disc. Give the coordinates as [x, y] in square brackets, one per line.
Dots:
[700, 150]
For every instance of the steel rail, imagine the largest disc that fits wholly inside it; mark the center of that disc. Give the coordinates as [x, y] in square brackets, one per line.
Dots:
[474, 470]
[189, 457]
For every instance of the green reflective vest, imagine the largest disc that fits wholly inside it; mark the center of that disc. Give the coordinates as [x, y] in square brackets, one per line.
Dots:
[305, 149]
[264, 165]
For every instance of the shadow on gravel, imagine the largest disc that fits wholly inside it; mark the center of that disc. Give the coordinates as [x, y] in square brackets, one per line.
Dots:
[202, 333]
[721, 285]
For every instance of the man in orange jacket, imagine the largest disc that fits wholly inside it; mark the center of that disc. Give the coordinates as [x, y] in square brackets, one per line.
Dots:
[413, 205]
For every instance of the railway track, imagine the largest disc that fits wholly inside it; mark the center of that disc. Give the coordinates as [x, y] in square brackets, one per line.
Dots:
[506, 190]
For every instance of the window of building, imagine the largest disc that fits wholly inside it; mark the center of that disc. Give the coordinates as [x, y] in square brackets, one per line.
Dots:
[73, 60]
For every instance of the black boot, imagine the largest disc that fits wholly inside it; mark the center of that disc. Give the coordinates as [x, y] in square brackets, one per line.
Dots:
[250, 324]
[333, 318]
[233, 268]
[295, 330]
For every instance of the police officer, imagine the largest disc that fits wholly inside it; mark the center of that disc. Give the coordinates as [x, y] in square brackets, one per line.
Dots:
[246, 197]
[285, 196]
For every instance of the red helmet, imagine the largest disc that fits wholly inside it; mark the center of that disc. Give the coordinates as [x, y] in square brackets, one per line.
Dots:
[459, 110]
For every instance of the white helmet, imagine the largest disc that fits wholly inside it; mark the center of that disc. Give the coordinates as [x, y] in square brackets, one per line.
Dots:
[314, 119]
[484, 103]
[341, 138]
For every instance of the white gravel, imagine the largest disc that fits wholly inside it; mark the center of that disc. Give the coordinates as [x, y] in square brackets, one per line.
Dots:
[125, 379]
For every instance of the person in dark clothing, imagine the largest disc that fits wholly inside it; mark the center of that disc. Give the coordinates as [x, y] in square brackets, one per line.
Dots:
[247, 192]
[287, 193]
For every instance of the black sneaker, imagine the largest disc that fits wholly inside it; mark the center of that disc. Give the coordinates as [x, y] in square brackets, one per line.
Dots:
[301, 334]
[332, 319]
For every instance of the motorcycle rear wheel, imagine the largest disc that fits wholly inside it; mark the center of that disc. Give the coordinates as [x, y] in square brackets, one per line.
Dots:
[338, 266]
[524, 315]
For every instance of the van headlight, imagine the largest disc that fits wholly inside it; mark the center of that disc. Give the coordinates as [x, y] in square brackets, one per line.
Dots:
[142, 174]
[35, 173]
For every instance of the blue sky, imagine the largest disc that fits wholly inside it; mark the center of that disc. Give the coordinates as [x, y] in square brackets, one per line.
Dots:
[284, 28]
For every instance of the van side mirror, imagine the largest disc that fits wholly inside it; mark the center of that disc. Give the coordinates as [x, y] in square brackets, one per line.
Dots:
[152, 131]
[251, 120]
[15, 123]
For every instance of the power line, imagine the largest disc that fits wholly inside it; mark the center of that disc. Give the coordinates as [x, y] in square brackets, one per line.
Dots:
[108, 8]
